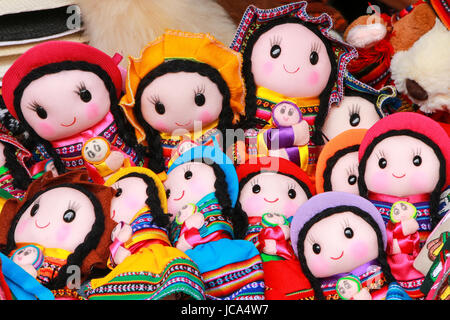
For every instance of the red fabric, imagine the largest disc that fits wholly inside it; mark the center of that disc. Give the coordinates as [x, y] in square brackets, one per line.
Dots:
[5, 293]
[410, 121]
[52, 52]
[273, 164]
[284, 280]
[283, 247]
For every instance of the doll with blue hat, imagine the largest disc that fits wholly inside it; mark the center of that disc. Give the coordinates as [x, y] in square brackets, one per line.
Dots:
[202, 189]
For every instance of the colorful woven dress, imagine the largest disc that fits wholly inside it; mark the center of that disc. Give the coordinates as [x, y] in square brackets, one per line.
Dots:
[231, 269]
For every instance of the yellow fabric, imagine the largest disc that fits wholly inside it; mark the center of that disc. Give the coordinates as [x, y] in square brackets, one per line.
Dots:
[153, 259]
[278, 97]
[57, 253]
[156, 178]
[201, 47]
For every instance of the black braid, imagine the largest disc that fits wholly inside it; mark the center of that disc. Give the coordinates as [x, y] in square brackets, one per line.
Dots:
[21, 178]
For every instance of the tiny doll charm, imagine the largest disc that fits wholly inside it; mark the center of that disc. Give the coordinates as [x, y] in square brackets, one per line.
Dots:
[30, 258]
[350, 288]
[191, 220]
[273, 238]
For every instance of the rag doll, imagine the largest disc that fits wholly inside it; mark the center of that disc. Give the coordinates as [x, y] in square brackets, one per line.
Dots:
[350, 288]
[143, 263]
[405, 157]
[65, 93]
[43, 166]
[278, 67]
[100, 161]
[14, 158]
[202, 189]
[206, 77]
[338, 234]
[337, 166]
[67, 219]
[274, 186]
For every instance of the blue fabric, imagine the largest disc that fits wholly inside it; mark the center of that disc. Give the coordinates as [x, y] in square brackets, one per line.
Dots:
[216, 254]
[396, 292]
[22, 285]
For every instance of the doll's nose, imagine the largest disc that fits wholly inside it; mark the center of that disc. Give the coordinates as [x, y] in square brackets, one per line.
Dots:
[415, 90]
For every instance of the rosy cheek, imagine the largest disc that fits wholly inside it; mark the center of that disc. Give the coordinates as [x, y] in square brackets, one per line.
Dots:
[358, 250]
[63, 233]
[318, 265]
[205, 117]
[290, 208]
[92, 111]
[313, 78]
[378, 181]
[420, 181]
[197, 187]
[22, 226]
[268, 67]
[46, 129]
[132, 204]
[160, 125]
[253, 206]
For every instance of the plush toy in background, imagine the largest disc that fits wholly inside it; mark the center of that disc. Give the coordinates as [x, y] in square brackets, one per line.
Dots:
[40, 168]
[142, 258]
[231, 268]
[274, 186]
[337, 166]
[14, 160]
[289, 137]
[100, 161]
[67, 218]
[210, 94]
[277, 67]
[405, 157]
[350, 288]
[65, 93]
[337, 234]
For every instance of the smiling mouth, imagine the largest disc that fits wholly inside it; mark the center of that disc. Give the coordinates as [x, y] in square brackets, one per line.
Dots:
[183, 124]
[338, 257]
[271, 201]
[40, 226]
[399, 177]
[69, 125]
[182, 195]
[290, 71]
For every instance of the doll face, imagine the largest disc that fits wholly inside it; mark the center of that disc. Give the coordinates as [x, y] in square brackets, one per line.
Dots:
[402, 166]
[130, 198]
[339, 243]
[2, 155]
[185, 212]
[66, 103]
[347, 288]
[95, 150]
[282, 63]
[26, 256]
[196, 104]
[344, 176]
[274, 218]
[50, 166]
[402, 211]
[271, 192]
[59, 218]
[188, 183]
[351, 113]
[286, 114]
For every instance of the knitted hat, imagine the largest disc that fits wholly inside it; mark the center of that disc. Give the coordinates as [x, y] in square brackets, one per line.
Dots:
[54, 52]
[317, 204]
[277, 165]
[336, 148]
[126, 171]
[254, 18]
[77, 178]
[212, 155]
[199, 47]
[410, 124]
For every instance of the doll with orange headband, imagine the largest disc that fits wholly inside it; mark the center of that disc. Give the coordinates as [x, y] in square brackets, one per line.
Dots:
[206, 77]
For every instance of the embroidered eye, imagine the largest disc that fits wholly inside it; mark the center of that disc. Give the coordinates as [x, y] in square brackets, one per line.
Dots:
[382, 163]
[69, 215]
[348, 232]
[292, 194]
[118, 192]
[316, 248]
[85, 94]
[256, 188]
[34, 209]
[352, 180]
[417, 161]
[282, 110]
[314, 58]
[275, 51]
[188, 175]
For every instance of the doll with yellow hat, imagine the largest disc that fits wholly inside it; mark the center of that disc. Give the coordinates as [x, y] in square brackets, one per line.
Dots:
[184, 87]
[144, 264]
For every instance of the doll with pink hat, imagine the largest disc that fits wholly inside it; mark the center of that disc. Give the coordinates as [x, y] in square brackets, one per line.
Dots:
[406, 157]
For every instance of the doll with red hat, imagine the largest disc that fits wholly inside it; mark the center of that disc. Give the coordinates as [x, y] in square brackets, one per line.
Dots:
[406, 157]
[278, 67]
[14, 159]
[270, 191]
[65, 93]
[66, 219]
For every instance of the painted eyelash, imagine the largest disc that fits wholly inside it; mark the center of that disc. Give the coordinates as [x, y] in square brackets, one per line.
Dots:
[187, 168]
[315, 47]
[354, 109]
[291, 186]
[311, 240]
[34, 106]
[81, 87]
[346, 224]
[200, 89]
[417, 152]
[380, 154]
[275, 41]
[154, 99]
[73, 206]
[254, 182]
[352, 170]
